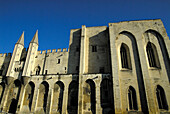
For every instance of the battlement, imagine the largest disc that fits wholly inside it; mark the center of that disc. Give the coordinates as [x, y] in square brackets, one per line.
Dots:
[52, 51]
[5, 54]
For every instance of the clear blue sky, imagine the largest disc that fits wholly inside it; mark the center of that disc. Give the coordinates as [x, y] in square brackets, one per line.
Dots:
[55, 18]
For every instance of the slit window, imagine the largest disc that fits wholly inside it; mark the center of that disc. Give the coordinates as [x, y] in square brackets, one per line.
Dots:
[58, 61]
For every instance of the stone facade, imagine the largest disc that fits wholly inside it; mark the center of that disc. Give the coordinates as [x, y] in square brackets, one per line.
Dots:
[123, 68]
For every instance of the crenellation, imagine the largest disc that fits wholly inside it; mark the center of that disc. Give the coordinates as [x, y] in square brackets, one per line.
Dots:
[119, 69]
[49, 51]
[53, 50]
[59, 50]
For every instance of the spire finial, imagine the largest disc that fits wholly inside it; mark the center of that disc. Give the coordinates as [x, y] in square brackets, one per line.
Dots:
[35, 38]
[21, 39]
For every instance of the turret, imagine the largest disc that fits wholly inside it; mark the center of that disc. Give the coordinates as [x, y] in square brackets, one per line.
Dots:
[30, 59]
[15, 60]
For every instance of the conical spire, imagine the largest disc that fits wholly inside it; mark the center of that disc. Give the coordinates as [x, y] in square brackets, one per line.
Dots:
[21, 39]
[35, 38]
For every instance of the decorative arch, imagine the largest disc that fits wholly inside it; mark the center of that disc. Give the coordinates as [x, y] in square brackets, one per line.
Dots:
[43, 96]
[13, 96]
[163, 48]
[89, 96]
[138, 69]
[28, 97]
[125, 56]
[106, 92]
[132, 99]
[161, 98]
[72, 105]
[58, 97]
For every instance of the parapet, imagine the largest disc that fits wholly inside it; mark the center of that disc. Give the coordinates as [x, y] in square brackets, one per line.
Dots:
[5, 55]
[52, 51]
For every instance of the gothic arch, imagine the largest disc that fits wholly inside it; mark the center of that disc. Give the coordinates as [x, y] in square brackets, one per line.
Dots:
[28, 97]
[125, 56]
[72, 105]
[161, 98]
[132, 99]
[163, 48]
[138, 69]
[58, 97]
[43, 96]
[89, 96]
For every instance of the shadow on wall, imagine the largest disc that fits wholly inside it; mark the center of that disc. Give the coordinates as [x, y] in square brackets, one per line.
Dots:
[74, 52]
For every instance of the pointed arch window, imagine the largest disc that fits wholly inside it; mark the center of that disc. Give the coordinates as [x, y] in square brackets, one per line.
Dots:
[132, 99]
[161, 98]
[152, 55]
[125, 56]
[38, 69]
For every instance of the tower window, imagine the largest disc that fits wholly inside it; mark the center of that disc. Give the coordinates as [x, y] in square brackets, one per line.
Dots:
[46, 72]
[94, 48]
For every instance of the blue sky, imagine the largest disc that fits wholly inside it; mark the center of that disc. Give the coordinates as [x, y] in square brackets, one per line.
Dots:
[55, 18]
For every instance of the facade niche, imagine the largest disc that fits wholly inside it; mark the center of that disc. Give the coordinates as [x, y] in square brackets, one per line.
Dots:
[43, 95]
[58, 97]
[28, 97]
[161, 98]
[152, 55]
[125, 56]
[72, 105]
[132, 99]
[106, 95]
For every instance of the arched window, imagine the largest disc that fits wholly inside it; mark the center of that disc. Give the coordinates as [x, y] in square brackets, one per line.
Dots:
[38, 69]
[161, 98]
[132, 99]
[125, 56]
[152, 55]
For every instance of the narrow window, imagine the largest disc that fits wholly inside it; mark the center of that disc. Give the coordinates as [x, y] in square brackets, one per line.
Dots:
[152, 55]
[132, 99]
[38, 70]
[58, 61]
[94, 48]
[125, 56]
[161, 98]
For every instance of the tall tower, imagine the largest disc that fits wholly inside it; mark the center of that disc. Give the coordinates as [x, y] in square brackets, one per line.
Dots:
[30, 59]
[15, 66]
